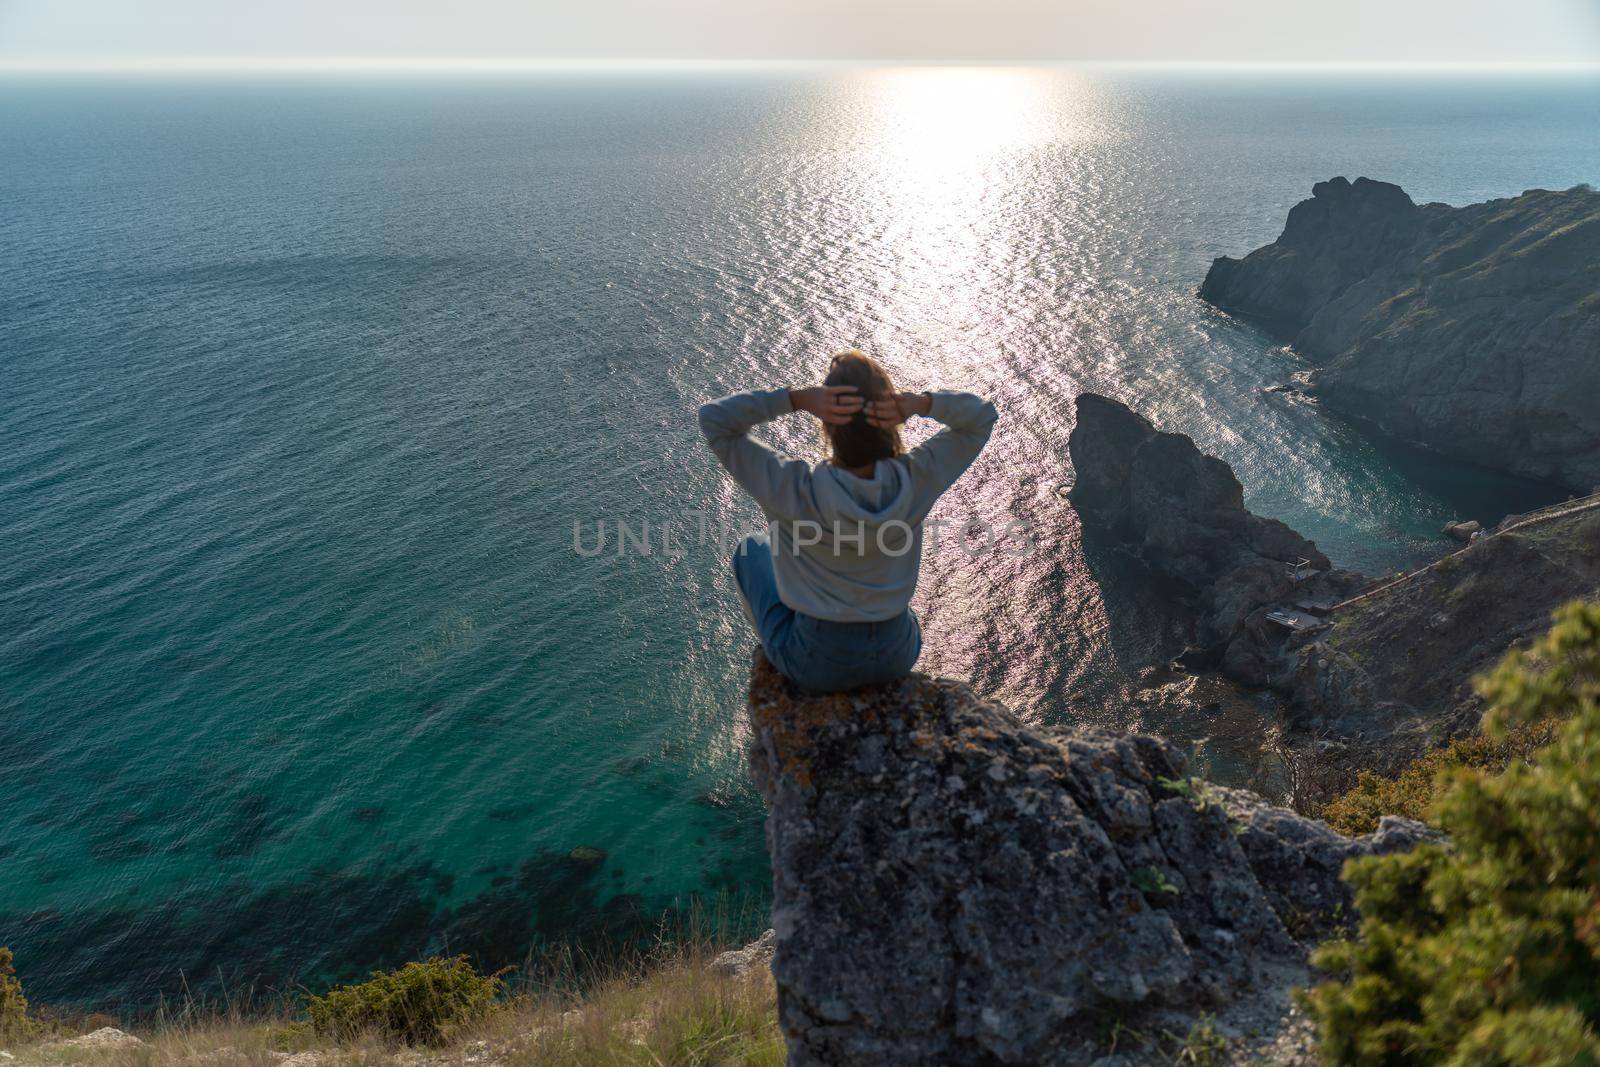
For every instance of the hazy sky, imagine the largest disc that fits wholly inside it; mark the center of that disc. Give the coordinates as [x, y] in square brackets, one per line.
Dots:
[1433, 31]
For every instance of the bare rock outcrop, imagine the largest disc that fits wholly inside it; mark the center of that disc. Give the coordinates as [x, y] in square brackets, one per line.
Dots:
[1388, 670]
[738, 962]
[1473, 331]
[105, 1039]
[953, 886]
[1183, 512]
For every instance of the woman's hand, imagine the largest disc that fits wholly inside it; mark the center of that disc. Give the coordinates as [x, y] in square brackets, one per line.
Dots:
[891, 411]
[833, 404]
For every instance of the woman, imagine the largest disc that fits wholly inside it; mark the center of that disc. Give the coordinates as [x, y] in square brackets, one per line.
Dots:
[828, 587]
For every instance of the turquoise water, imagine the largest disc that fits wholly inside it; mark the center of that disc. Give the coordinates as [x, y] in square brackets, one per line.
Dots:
[303, 385]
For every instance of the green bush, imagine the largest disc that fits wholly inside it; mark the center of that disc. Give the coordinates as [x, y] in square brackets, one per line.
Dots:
[1487, 952]
[420, 1004]
[1413, 791]
[15, 1025]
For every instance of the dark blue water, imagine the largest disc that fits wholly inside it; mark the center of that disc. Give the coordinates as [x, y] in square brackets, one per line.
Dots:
[303, 385]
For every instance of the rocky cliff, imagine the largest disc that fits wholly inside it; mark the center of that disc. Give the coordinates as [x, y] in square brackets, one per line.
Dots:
[953, 886]
[1183, 512]
[1473, 331]
[1389, 670]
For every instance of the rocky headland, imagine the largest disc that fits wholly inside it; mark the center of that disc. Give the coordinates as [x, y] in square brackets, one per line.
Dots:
[1383, 666]
[1472, 331]
[1183, 513]
[952, 886]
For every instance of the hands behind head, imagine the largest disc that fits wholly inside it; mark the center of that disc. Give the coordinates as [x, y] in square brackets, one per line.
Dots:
[892, 410]
[838, 404]
[833, 404]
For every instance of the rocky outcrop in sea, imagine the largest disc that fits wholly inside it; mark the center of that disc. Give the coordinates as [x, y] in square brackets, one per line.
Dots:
[1386, 667]
[953, 885]
[1183, 513]
[1473, 331]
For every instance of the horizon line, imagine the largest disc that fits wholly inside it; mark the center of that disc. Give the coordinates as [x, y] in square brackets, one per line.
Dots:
[465, 64]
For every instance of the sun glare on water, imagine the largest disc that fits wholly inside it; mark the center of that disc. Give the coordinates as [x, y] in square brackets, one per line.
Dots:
[944, 158]
[944, 123]
[957, 178]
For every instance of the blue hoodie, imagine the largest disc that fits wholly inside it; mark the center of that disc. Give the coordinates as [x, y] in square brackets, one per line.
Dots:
[844, 548]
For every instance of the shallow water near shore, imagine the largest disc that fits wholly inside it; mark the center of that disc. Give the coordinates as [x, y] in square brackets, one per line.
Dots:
[304, 385]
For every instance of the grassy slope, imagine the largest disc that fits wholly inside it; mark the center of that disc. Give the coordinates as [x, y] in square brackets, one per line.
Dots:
[677, 1012]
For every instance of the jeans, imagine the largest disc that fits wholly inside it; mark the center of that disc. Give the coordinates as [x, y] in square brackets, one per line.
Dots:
[817, 655]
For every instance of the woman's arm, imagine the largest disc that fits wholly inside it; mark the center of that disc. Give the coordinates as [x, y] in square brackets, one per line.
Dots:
[939, 461]
[776, 483]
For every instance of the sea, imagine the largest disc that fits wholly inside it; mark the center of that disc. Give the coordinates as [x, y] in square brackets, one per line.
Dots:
[364, 587]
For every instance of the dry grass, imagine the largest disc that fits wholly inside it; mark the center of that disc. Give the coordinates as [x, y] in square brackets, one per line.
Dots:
[666, 1013]
[682, 1014]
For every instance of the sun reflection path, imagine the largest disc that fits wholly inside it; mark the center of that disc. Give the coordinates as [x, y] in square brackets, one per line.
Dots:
[939, 126]
[938, 146]
[957, 179]
[936, 217]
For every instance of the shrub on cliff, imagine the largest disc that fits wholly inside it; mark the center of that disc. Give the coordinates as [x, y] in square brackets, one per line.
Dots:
[420, 1004]
[1412, 792]
[14, 1022]
[1487, 951]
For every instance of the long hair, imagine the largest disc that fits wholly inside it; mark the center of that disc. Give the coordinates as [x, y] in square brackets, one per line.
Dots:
[858, 443]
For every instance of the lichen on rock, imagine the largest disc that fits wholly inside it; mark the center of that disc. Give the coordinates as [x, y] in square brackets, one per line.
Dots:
[954, 886]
